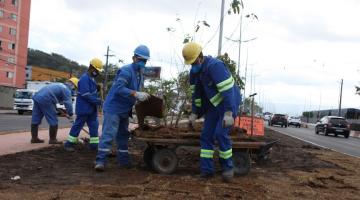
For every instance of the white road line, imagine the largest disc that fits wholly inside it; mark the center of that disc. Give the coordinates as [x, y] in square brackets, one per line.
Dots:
[312, 142]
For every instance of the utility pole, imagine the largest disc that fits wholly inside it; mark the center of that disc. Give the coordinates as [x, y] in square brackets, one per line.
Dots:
[238, 70]
[341, 86]
[106, 69]
[221, 26]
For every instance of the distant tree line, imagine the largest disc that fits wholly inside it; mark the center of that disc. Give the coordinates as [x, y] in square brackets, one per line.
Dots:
[54, 61]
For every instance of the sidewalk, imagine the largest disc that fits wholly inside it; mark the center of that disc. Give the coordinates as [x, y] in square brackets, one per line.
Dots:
[20, 141]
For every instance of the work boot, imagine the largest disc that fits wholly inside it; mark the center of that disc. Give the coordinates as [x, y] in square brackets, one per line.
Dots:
[69, 147]
[228, 175]
[99, 167]
[34, 134]
[52, 134]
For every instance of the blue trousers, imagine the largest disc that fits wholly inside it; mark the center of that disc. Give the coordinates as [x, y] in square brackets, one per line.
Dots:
[114, 127]
[213, 130]
[42, 109]
[93, 124]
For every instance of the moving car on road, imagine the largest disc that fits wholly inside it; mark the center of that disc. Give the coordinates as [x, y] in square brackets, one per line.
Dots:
[278, 119]
[334, 125]
[295, 121]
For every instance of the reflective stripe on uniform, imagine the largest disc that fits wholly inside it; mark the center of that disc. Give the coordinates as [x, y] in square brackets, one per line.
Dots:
[198, 102]
[225, 154]
[106, 150]
[205, 153]
[94, 140]
[216, 100]
[192, 88]
[225, 85]
[72, 139]
[123, 151]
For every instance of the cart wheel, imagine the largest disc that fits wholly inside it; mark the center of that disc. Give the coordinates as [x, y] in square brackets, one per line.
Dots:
[165, 161]
[148, 156]
[242, 163]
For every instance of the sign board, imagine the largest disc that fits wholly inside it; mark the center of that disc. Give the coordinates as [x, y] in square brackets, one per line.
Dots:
[152, 72]
[244, 122]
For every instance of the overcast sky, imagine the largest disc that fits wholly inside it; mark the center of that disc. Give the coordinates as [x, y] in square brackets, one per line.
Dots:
[301, 52]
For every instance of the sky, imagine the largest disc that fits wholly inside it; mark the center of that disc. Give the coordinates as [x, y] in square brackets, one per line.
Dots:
[294, 55]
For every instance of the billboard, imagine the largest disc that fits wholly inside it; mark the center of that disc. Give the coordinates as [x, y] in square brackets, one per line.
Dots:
[152, 72]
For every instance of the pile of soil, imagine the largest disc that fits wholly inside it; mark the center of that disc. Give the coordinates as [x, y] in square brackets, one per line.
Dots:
[182, 132]
[296, 170]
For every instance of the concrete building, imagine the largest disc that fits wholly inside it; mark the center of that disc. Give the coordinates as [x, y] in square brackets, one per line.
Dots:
[14, 33]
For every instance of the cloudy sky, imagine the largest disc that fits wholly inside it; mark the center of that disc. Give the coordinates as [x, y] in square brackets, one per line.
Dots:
[300, 52]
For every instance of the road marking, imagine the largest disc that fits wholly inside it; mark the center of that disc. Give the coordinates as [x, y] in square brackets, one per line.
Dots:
[312, 142]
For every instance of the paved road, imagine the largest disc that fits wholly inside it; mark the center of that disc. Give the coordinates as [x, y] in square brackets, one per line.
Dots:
[11, 122]
[350, 146]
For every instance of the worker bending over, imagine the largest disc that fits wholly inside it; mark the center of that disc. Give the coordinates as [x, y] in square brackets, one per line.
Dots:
[216, 96]
[45, 101]
[118, 107]
[86, 107]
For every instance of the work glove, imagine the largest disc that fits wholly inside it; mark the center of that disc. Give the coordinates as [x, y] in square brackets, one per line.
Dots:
[71, 119]
[142, 96]
[228, 120]
[192, 119]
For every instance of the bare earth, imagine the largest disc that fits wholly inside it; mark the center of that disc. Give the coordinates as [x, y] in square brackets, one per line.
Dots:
[296, 171]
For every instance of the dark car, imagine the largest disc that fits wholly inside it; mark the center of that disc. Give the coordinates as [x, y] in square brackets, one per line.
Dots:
[278, 119]
[334, 125]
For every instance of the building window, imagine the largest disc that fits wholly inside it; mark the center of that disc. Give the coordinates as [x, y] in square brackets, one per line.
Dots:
[14, 2]
[11, 60]
[10, 74]
[1, 13]
[11, 46]
[13, 16]
[12, 31]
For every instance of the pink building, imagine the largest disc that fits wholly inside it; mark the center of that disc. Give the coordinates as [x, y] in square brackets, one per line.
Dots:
[14, 33]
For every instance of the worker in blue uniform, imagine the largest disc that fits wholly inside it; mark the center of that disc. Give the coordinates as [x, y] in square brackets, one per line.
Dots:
[216, 96]
[45, 101]
[87, 102]
[118, 107]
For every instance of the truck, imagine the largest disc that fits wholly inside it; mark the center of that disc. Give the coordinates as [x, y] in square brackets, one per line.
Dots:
[23, 97]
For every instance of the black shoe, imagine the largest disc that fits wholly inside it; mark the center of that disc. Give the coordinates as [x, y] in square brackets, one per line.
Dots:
[228, 176]
[99, 167]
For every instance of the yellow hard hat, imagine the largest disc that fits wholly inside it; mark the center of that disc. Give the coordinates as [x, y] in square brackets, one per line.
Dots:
[75, 81]
[190, 52]
[97, 64]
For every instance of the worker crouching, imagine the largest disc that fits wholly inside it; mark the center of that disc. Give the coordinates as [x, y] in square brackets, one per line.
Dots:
[45, 101]
[216, 96]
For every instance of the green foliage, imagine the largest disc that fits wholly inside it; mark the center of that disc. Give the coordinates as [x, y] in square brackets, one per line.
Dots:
[232, 67]
[235, 7]
[357, 90]
[247, 106]
[54, 61]
[308, 114]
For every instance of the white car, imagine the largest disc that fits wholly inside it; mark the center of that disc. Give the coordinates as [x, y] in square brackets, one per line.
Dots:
[295, 121]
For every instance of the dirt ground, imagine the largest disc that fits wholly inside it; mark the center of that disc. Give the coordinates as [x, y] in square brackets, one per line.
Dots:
[296, 170]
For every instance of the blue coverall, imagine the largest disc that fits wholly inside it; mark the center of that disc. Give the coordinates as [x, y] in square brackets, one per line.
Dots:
[117, 109]
[86, 111]
[45, 101]
[214, 92]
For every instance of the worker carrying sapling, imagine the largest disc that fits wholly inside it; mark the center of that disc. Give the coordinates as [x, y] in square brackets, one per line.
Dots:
[118, 108]
[216, 96]
[45, 105]
[87, 102]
